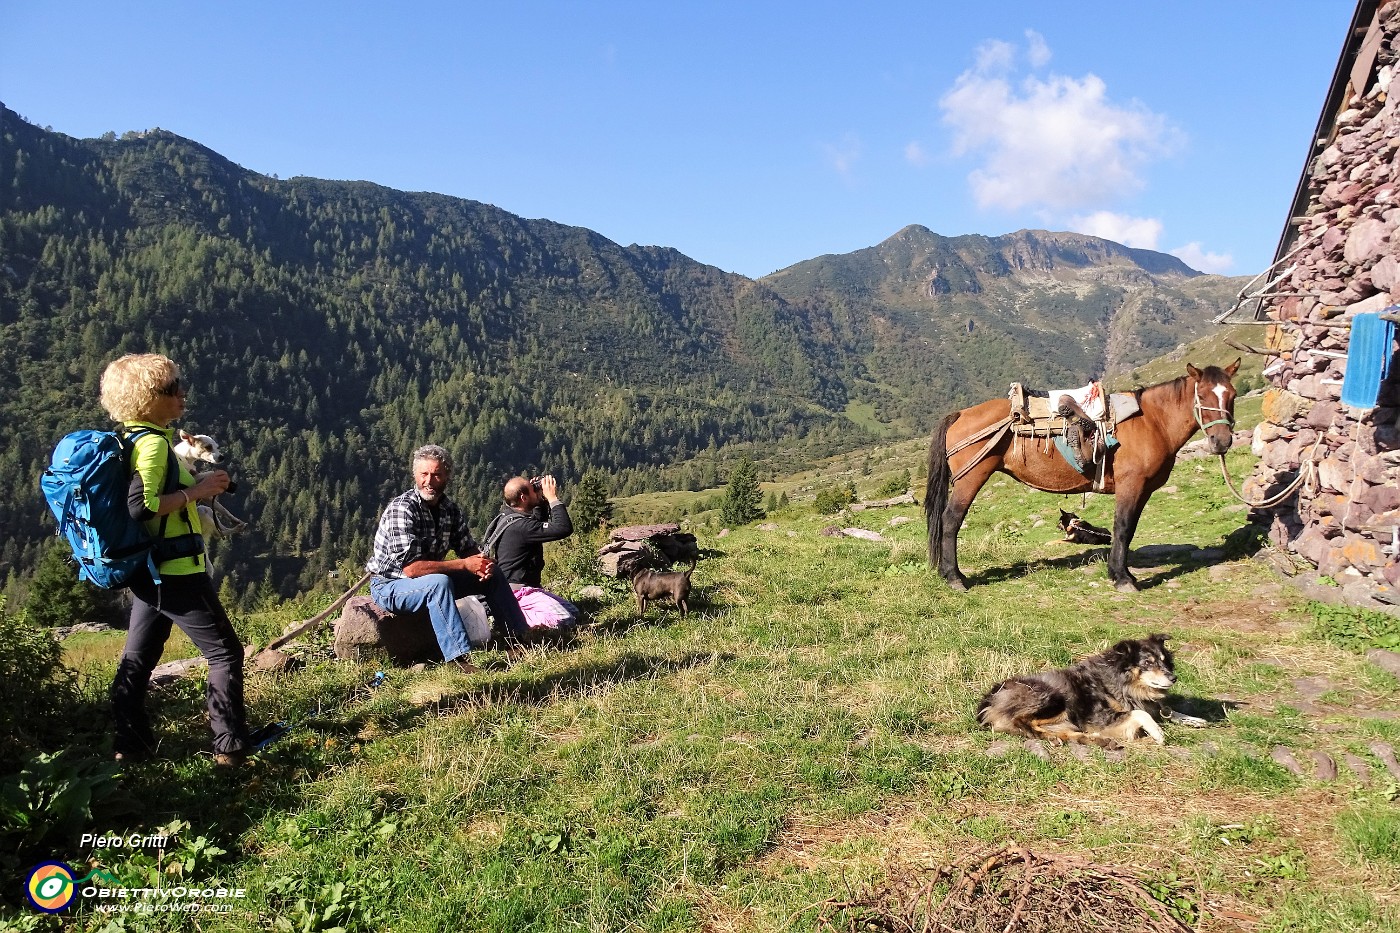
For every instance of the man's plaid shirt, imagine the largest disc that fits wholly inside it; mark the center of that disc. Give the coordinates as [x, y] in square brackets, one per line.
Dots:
[410, 530]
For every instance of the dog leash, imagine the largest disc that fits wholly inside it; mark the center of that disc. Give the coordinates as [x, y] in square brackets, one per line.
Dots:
[1083, 527]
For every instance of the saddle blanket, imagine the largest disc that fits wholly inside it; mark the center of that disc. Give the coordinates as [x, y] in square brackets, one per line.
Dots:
[1089, 397]
[1038, 404]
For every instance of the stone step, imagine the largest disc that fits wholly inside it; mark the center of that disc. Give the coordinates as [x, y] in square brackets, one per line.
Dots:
[1387, 756]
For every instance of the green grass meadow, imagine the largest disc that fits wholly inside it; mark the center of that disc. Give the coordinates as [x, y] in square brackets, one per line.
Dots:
[806, 730]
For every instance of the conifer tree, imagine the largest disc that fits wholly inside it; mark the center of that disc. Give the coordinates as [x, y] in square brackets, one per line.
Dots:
[590, 506]
[57, 596]
[743, 500]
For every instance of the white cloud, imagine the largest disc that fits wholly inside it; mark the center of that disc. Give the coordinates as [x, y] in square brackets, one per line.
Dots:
[915, 154]
[1137, 232]
[844, 155]
[1036, 49]
[995, 55]
[1195, 256]
[1055, 142]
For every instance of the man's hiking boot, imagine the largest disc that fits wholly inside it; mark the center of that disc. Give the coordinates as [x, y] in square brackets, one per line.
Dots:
[464, 665]
[131, 752]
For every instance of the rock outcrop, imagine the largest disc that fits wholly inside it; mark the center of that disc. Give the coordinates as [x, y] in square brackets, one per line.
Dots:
[365, 629]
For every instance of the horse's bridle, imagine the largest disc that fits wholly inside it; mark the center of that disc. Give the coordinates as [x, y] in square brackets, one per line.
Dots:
[1198, 408]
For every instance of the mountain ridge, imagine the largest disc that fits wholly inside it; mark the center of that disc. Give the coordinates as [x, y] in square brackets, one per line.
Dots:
[331, 326]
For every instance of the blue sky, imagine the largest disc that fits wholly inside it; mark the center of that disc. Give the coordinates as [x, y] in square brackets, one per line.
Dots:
[747, 135]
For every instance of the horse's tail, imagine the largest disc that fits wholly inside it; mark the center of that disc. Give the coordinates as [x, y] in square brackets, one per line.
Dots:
[940, 479]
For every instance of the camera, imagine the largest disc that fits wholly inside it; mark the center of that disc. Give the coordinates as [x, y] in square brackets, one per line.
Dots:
[535, 482]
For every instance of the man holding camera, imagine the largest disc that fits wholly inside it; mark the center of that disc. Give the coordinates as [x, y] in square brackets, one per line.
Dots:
[532, 515]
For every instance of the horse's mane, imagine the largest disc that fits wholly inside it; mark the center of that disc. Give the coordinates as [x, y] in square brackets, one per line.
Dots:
[1173, 391]
[1177, 388]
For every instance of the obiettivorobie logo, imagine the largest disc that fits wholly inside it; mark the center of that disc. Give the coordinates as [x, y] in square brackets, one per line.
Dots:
[52, 888]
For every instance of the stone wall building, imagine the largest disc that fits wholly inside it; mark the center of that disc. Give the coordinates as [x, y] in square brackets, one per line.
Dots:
[1338, 258]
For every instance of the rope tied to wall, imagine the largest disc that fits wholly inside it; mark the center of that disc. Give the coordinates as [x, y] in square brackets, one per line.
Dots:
[1307, 473]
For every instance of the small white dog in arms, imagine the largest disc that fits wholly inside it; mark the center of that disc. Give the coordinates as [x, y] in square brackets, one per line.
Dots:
[198, 453]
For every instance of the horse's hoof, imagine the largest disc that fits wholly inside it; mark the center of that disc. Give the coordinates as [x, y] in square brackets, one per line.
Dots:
[1126, 586]
[956, 583]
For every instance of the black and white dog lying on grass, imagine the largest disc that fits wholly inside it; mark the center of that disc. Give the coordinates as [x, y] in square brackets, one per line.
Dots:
[1105, 699]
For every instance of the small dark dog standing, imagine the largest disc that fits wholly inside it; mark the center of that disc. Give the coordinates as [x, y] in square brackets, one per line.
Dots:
[1078, 531]
[1105, 699]
[672, 584]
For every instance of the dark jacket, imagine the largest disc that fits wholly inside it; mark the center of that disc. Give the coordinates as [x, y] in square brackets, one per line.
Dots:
[520, 549]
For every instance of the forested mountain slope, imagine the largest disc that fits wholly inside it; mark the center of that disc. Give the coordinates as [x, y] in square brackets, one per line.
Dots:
[328, 328]
[1053, 308]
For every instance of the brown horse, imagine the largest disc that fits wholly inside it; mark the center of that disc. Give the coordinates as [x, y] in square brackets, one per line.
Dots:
[1147, 445]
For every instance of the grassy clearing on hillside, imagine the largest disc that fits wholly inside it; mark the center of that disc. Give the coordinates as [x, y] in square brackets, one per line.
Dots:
[807, 730]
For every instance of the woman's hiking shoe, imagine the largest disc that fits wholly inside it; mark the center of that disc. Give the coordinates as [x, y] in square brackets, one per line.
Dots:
[134, 743]
[257, 740]
[261, 738]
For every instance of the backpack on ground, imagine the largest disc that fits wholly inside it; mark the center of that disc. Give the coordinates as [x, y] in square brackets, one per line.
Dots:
[86, 488]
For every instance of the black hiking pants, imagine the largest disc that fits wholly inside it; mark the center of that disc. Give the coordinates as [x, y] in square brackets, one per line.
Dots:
[189, 601]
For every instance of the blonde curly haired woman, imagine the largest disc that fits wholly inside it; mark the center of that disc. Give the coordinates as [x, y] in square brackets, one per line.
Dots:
[145, 393]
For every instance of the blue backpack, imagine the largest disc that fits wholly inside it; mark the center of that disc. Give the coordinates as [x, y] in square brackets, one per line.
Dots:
[86, 488]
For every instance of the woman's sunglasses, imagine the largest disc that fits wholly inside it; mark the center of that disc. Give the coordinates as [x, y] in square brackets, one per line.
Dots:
[171, 388]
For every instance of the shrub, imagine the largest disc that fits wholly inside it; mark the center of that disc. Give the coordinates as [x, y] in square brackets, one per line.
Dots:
[894, 486]
[574, 562]
[37, 693]
[49, 799]
[834, 499]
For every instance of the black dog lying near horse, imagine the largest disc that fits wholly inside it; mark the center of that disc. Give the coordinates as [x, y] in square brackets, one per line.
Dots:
[1105, 699]
[1078, 531]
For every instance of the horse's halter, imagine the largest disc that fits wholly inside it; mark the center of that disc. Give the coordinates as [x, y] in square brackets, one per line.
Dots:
[1198, 409]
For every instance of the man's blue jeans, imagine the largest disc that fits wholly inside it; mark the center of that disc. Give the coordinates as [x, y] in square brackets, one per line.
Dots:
[438, 593]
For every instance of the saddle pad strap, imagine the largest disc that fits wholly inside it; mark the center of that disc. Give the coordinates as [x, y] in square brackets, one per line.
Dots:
[1070, 457]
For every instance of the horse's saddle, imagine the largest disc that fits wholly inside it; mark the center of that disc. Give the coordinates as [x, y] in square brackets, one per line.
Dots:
[1029, 406]
[1080, 421]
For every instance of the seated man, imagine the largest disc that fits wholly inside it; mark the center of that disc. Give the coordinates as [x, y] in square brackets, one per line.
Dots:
[532, 515]
[410, 566]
